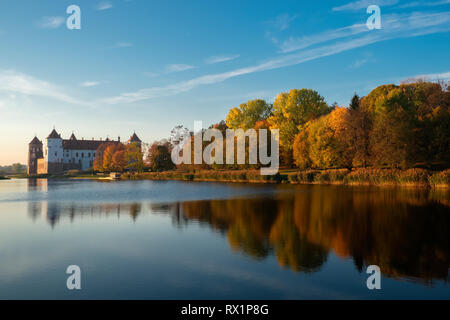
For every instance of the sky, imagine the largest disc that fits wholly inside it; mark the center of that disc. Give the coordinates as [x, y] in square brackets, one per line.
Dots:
[147, 66]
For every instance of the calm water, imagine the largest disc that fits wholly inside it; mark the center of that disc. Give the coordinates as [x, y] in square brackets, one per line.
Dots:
[175, 240]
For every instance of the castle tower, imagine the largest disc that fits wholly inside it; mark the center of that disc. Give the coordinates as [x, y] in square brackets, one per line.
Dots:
[135, 139]
[53, 152]
[34, 153]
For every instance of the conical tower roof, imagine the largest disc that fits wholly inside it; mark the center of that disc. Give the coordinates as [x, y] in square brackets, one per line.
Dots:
[35, 141]
[135, 138]
[54, 135]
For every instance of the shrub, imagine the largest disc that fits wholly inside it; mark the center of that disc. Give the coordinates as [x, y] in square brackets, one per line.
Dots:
[440, 178]
[414, 176]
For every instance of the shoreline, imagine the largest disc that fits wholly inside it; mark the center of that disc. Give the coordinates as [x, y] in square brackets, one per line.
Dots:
[416, 178]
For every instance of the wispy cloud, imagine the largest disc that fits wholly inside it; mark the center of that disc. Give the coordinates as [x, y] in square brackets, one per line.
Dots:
[121, 45]
[105, 5]
[20, 83]
[434, 76]
[293, 44]
[87, 84]
[283, 21]
[423, 4]
[361, 4]
[178, 67]
[222, 58]
[361, 62]
[51, 22]
[398, 26]
[404, 24]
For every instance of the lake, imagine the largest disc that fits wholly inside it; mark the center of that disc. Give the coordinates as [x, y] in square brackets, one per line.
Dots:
[205, 240]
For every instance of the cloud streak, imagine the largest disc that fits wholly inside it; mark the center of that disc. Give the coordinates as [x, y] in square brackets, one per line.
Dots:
[121, 45]
[20, 83]
[222, 58]
[362, 4]
[424, 4]
[51, 22]
[178, 67]
[435, 76]
[88, 84]
[395, 26]
[105, 5]
[283, 21]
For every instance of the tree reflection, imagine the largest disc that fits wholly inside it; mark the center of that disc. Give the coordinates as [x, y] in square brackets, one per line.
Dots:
[404, 231]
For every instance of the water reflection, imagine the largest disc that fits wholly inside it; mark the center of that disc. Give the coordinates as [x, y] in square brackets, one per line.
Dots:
[53, 211]
[404, 231]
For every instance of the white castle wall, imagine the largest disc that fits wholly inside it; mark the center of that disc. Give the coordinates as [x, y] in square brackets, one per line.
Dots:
[83, 157]
[53, 150]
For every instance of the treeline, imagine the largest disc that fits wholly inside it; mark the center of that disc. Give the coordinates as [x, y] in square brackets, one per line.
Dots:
[15, 168]
[394, 126]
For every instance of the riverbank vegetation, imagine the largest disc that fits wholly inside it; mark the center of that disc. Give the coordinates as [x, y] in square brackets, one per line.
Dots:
[360, 176]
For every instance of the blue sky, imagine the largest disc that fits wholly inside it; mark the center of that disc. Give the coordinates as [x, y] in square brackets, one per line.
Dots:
[150, 65]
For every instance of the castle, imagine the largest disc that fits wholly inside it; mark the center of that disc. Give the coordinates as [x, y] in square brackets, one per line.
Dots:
[58, 155]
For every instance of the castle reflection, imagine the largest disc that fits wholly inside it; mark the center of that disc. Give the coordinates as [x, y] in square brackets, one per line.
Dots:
[54, 211]
[404, 231]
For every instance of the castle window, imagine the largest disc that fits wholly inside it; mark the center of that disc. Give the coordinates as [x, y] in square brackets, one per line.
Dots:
[89, 155]
[77, 154]
[82, 154]
[56, 154]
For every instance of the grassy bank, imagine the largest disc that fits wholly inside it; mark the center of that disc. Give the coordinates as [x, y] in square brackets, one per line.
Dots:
[363, 176]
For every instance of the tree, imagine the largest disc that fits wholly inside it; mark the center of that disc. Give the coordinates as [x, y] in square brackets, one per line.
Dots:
[354, 104]
[290, 112]
[248, 114]
[325, 142]
[118, 159]
[360, 128]
[98, 160]
[134, 157]
[159, 157]
[108, 157]
[179, 135]
[18, 168]
[391, 142]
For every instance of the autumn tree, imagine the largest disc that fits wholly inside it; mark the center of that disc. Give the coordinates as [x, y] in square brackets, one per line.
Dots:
[248, 114]
[291, 110]
[134, 157]
[159, 156]
[108, 157]
[325, 142]
[118, 159]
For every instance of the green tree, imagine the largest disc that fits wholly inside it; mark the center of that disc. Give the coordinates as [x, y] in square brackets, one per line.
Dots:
[354, 104]
[391, 140]
[134, 157]
[248, 114]
[290, 112]
[159, 157]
